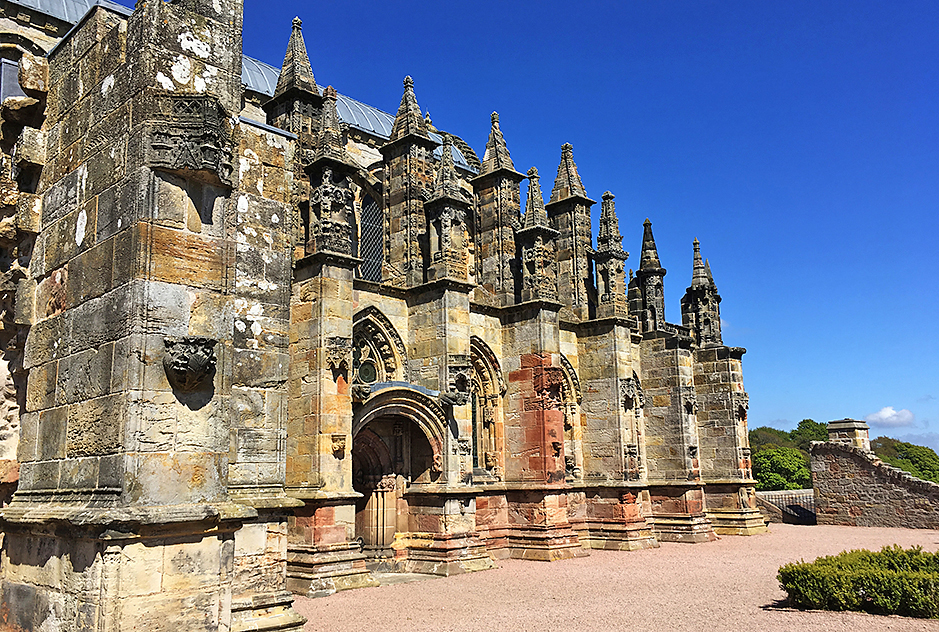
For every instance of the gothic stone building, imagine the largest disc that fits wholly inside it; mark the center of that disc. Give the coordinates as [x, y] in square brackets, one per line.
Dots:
[262, 339]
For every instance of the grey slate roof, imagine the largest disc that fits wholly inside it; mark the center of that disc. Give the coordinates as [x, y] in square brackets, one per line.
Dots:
[70, 11]
[262, 78]
[255, 74]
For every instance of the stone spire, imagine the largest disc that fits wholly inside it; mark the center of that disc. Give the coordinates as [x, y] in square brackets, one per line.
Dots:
[649, 260]
[497, 154]
[700, 306]
[568, 183]
[447, 184]
[699, 275]
[535, 214]
[408, 120]
[609, 239]
[707, 272]
[610, 258]
[296, 71]
[329, 140]
[650, 280]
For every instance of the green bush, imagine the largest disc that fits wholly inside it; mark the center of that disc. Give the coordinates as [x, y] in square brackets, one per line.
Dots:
[893, 581]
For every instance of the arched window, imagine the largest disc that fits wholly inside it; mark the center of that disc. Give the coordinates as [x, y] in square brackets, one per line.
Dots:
[371, 248]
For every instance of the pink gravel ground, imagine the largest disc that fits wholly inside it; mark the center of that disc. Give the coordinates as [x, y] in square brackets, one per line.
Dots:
[727, 585]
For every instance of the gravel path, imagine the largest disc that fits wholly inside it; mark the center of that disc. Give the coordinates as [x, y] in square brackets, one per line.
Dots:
[725, 585]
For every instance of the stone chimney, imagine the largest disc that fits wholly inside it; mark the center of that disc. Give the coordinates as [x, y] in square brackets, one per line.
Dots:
[850, 432]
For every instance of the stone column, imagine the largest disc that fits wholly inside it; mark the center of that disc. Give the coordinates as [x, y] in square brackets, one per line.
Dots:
[323, 555]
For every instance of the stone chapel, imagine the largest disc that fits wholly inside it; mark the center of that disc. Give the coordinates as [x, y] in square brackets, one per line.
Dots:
[262, 339]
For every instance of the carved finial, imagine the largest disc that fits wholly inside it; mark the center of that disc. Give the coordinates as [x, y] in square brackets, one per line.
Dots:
[296, 71]
[568, 182]
[447, 184]
[408, 120]
[609, 239]
[699, 276]
[535, 214]
[329, 139]
[497, 154]
[650, 254]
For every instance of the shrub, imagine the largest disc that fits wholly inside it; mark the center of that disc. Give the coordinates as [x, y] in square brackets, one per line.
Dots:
[893, 581]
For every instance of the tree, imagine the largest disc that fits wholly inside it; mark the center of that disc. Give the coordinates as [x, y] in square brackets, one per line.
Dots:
[808, 431]
[918, 460]
[766, 437]
[778, 467]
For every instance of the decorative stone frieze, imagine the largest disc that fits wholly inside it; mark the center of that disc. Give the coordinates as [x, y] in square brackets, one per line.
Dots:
[191, 133]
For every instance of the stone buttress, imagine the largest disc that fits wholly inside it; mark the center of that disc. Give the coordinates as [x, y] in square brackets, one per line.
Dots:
[722, 407]
[152, 459]
[323, 555]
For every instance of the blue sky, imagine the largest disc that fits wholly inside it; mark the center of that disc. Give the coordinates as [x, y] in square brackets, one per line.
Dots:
[799, 141]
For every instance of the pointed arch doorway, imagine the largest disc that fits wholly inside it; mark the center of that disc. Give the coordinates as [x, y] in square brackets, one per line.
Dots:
[398, 437]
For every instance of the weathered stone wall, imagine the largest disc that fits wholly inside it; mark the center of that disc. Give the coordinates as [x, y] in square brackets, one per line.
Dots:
[670, 422]
[853, 487]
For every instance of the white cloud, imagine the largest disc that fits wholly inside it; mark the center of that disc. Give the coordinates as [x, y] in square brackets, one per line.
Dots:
[891, 418]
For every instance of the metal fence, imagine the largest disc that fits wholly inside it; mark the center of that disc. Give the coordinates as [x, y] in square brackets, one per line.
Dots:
[796, 505]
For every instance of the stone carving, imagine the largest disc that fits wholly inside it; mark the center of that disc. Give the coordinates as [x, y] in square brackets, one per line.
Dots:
[571, 376]
[331, 236]
[486, 363]
[632, 395]
[192, 136]
[632, 462]
[690, 401]
[464, 446]
[361, 392]
[388, 483]
[453, 398]
[490, 460]
[330, 204]
[382, 334]
[459, 376]
[339, 446]
[438, 463]
[339, 352]
[188, 361]
[541, 269]
[692, 451]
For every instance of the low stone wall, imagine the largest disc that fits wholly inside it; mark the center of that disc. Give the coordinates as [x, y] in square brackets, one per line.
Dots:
[853, 487]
